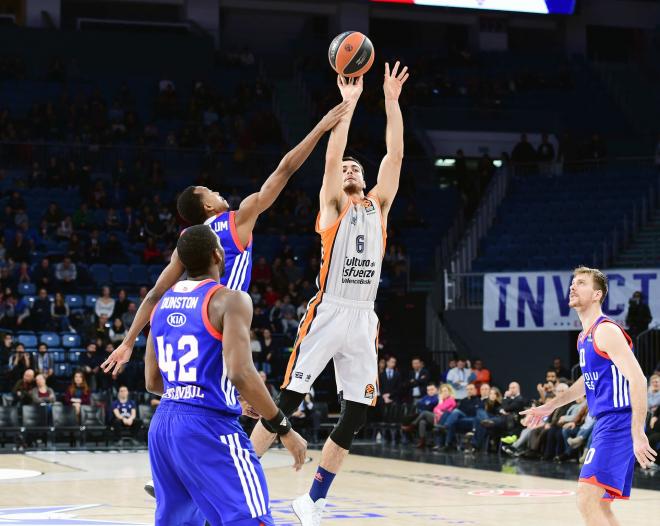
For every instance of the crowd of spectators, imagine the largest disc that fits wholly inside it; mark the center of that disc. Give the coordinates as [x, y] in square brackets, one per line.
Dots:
[465, 409]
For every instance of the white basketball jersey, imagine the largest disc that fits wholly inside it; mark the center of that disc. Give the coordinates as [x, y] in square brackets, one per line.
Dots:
[352, 252]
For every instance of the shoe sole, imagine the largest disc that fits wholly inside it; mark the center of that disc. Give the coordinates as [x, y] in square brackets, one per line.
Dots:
[296, 511]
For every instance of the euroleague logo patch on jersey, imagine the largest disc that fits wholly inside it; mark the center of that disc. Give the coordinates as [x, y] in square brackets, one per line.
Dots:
[176, 319]
[370, 391]
[369, 207]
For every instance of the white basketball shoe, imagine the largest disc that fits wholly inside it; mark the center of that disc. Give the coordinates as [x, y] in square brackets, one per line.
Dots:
[309, 513]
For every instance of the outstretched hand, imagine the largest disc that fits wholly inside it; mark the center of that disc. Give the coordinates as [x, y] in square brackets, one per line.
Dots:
[350, 88]
[537, 414]
[331, 118]
[117, 359]
[394, 80]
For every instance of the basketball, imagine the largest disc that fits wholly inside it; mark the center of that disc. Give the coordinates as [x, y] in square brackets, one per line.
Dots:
[351, 54]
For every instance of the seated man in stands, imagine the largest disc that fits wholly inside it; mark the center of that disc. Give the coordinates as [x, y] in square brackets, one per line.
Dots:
[22, 391]
[124, 412]
[307, 418]
[508, 418]
[425, 417]
[463, 418]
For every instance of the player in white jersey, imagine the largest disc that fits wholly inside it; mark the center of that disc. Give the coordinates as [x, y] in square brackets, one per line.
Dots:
[340, 322]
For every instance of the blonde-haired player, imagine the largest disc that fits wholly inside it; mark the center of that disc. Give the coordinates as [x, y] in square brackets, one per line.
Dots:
[340, 322]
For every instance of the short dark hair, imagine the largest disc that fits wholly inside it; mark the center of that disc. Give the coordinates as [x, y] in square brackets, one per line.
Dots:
[195, 247]
[432, 383]
[190, 206]
[353, 159]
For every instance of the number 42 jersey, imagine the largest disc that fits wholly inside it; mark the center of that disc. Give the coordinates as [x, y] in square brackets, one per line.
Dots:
[189, 350]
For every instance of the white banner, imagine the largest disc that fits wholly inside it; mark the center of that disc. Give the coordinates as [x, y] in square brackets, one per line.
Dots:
[538, 301]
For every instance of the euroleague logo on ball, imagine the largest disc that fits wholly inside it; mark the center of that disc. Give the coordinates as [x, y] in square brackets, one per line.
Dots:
[348, 48]
[176, 319]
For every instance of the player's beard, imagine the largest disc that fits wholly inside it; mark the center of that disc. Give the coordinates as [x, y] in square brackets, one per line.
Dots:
[352, 188]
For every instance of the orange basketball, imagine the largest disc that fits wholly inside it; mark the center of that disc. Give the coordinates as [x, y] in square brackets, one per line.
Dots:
[351, 54]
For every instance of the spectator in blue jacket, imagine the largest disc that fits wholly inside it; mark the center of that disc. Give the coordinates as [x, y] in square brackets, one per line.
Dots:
[425, 416]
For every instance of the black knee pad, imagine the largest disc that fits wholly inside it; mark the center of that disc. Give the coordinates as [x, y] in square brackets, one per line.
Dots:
[288, 401]
[353, 416]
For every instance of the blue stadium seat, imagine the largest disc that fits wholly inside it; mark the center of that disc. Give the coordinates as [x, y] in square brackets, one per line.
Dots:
[51, 339]
[74, 301]
[27, 289]
[121, 275]
[27, 339]
[30, 300]
[141, 341]
[100, 274]
[31, 350]
[63, 370]
[58, 354]
[70, 340]
[154, 271]
[74, 354]
[139, 274]
[90, 301]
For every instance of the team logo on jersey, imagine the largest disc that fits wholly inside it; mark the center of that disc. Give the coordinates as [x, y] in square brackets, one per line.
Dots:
[176, 319]
[370, 391]
[368, 207]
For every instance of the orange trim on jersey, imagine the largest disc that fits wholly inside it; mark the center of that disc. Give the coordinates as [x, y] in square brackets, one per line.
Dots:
[205, 312]
[593, 338]
[303, 331]
[333, 226]
[375, 198]
[153, 311]
[375, 400]
[203, 282]
[234, 233]
[594, 481]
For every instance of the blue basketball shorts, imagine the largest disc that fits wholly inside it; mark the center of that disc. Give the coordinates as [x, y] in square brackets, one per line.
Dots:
[610, 461]
[204, 468]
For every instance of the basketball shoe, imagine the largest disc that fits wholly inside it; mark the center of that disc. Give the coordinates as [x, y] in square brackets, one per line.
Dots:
[309, 513]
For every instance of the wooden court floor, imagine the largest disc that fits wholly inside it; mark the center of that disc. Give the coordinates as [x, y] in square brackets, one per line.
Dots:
[85, 488]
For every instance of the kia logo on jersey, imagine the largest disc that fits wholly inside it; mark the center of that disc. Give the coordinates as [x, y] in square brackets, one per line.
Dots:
[176, 319]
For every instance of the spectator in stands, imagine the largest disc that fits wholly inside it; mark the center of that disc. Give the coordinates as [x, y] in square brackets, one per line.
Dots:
[19, 362]
[481, 374]
[43, 275]
[508, 417]
[128, 317]
[121, 304]
[638, 316]
[556, 444]
[271, 388]
[66, 275]
[491, 408]
[653, 431]
[255, 345]
[484, 392]
[20, 249]
[151, 253]
[539, 436]
[390, 382]
[268, 351]
[90, 364]
[43, 362]
[547, 388]
[464, 417]
[6, 350]
[307, 418]
[417, 379]
[65, 228]
[560, 370]
[425, 417]
[59, 313]
[261, 271]
[654, 392]
[22, 390]
[24, 274]
[117, 331]
[459, 377]
[78, 393]
[545, 153]
[17, 313]
[41, 393]
[105, 304]
[40, 311]
[124, 412]
[523, 152]
[450, 365]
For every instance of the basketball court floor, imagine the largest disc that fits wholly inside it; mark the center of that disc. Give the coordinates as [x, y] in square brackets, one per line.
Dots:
[105, 488]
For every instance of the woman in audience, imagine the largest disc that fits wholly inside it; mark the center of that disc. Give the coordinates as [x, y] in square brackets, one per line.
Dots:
[117, 331]
[255, 344]
[59, 312]
[78, 393]
[19, 362]
[446, 404]
[491, 409]
[121, 305]
[42, 394]
[105, 304]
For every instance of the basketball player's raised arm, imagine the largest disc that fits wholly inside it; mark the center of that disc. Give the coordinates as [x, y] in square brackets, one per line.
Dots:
[153, 380]
[234, 318]
[257, 203]
[611, 341]
[331, 189]
[167, 279]
[390, 167]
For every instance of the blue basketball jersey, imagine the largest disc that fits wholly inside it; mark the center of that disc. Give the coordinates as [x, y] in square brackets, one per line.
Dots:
[238, 259]
[606, 387]
[189, 350]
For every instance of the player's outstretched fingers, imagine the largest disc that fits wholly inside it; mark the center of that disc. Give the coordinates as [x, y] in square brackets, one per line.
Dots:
[395, 68]
[402, 73]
